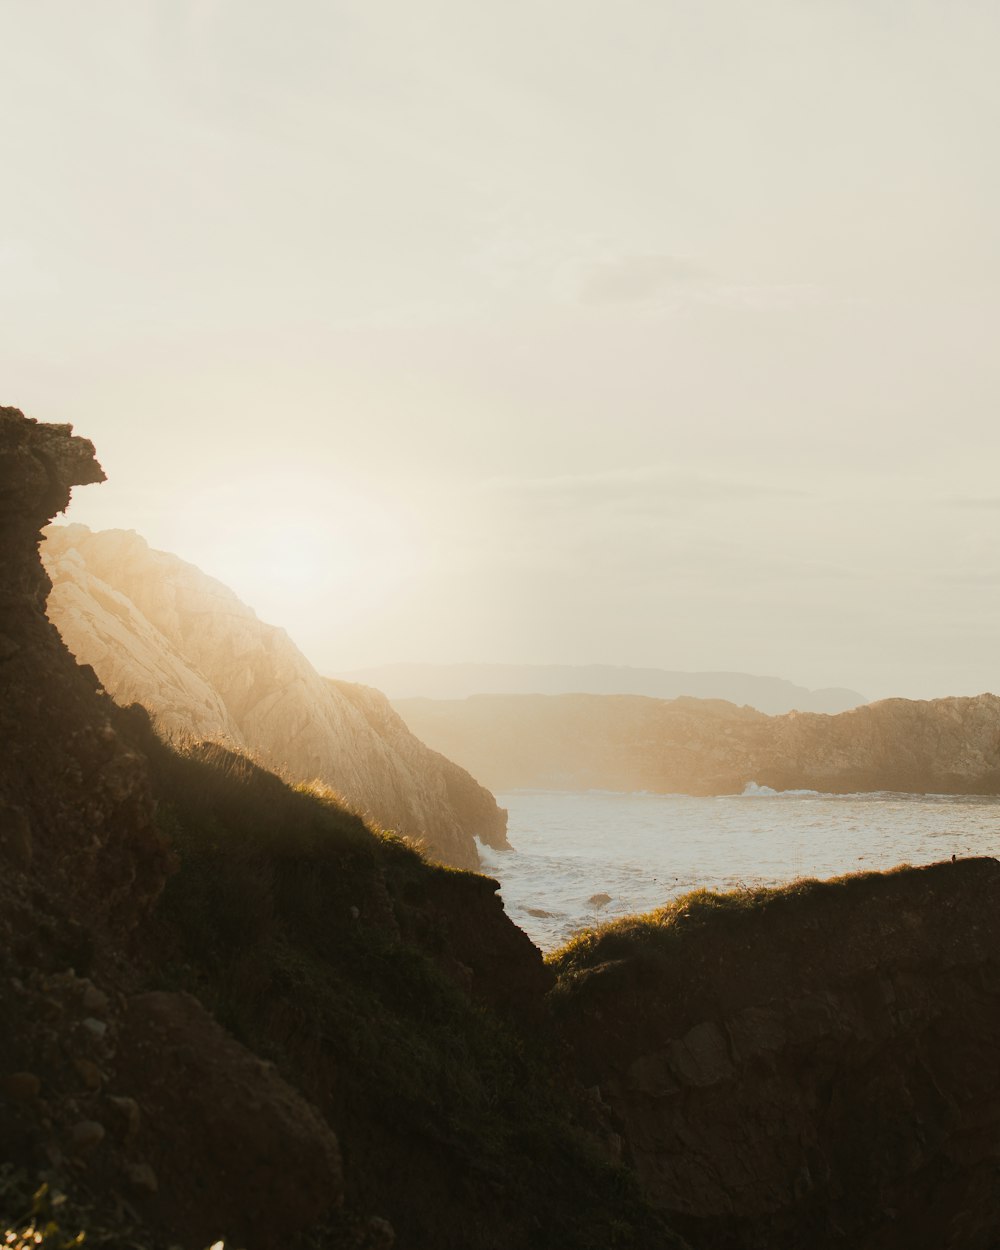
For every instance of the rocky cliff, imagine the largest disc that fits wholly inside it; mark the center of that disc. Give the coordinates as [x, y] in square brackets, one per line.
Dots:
[232, 1010]
[381, 1068]
[816, 1066]
[75, 803]
[82, 867]
[159, 632]
[692, 746]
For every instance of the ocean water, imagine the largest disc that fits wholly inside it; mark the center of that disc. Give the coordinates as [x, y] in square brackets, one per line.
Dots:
[644, 849]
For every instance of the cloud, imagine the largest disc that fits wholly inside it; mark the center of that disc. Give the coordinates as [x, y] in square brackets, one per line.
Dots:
[657, 485]
[989, 579]
[638, 279]
[663, 282]
[972, 503]
[22, 275]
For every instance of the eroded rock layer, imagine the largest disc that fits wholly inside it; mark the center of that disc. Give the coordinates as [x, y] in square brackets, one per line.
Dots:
[159, 632]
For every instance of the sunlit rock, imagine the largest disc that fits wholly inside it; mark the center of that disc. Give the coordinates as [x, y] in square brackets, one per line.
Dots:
[159, 632]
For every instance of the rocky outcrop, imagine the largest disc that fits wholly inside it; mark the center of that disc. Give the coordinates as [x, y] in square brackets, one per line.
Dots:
[691, 746]
[268, 1151]
[150, 896]
[76, 812]
[159, 632]
[82, 865]
[818, 1066]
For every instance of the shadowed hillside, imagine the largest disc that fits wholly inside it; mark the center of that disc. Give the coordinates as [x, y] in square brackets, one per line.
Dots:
[810, 1066]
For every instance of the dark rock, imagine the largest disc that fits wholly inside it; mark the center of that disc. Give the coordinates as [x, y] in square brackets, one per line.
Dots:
[15, 836]
[86, 1135]
[22, 1086]
[784, 1073]
[237, 1153]
[63, 768]
[142, 1178]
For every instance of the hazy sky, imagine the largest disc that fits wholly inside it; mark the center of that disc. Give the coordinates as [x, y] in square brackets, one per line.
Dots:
[648, 332]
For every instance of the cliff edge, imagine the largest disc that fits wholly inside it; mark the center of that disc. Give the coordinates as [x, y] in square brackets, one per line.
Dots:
[76, 810]
[812, 1066]
[159, 632]
[372, 1001]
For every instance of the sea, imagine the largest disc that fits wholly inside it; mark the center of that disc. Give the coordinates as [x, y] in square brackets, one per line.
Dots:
[580, 859]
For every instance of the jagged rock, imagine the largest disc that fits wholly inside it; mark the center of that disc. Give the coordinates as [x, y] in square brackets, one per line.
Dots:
[93, 999]
[128, 1113]
[160, 632]
[142, 1178]
[86, 1135]
[703, 746]
[236, 1152]
[379, 1234]
[89, 1073]
[15, 836]
[786, 1072]
[22, 1086]
[91, 835]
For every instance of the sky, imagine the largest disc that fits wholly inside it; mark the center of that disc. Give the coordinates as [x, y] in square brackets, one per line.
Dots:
[660, 333]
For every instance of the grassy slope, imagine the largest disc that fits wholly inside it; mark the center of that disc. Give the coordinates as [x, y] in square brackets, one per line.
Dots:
[283, 917]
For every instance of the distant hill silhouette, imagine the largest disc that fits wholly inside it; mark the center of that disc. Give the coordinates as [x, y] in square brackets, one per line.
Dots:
[773, 695]
[707, 746]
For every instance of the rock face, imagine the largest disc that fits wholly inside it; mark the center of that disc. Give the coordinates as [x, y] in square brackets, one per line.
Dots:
[147, 895]
[818, 1067]
[159, 632]
[75, 805]
[692, 746]
[82, 865]
[268, 1150]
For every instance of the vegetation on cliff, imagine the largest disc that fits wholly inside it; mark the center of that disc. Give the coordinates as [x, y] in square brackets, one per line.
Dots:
[813, 1065]
[233, 1010]
[398, 998]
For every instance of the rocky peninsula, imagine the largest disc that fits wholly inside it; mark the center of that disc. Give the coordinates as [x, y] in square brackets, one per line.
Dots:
[707, 746]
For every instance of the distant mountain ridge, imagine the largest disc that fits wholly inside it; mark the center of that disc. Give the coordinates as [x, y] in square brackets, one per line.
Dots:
[772, 695]
[160, 632]
[706, 746]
